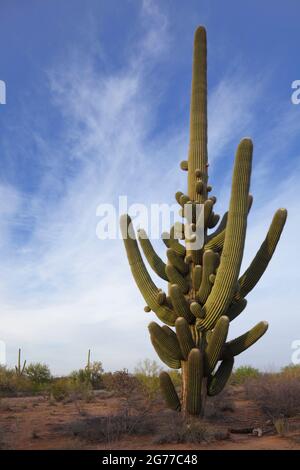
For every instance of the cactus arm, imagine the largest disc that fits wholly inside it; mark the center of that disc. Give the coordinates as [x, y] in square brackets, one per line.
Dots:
[219, 229]
[164, 356]
[217, 382]
[194, 382]
[235, 308]
[259, 264]
[197, 158]
[169, 392]
[184, 336]
[174, 244]
[177, 261]
[243, 342]
[215, 345]
[180, 304]
[227, 275]
[167, 342]
[176, 278]
[141, 276]
[215, 241]
[210, 263]
[152, 257]
[197, 277]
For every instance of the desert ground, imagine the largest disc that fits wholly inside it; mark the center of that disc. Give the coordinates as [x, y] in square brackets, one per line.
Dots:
[108, 421]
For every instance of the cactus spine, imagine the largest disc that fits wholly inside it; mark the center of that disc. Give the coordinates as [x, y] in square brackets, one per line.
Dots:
[205, 291]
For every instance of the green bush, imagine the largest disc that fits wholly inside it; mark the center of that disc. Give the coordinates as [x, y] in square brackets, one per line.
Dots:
[65, 388]
[243, 373]
[11, 383]
[147, 372]
[92, 375]
[38, 373]
[61, 388]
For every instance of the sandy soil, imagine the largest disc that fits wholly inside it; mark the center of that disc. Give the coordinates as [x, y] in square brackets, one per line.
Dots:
[37, 423]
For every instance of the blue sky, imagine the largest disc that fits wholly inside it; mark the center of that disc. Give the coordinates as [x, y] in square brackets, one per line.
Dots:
[98, 106]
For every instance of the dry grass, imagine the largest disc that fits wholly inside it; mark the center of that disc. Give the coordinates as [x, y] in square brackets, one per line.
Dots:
[278, 395]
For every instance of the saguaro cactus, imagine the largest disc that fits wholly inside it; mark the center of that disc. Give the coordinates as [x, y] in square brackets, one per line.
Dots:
[205, 289]
[20, 369]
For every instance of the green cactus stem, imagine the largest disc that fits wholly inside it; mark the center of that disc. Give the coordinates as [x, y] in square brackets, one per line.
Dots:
[205, 289]
[258, 266]
[227, 275]
[194, 382]
[20, 369]
[156, 263]
[216, 343]
[184, 336]
[217, 382]
[169, 391]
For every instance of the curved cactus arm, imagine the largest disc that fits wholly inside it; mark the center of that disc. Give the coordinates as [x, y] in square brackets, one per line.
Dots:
[180, 304]
[227, 275]
[184, 336]
[215, 241]
[259, 264]
[221, 227]
[216, 343]
[141, 276]
[156, 263]
[213, 220]
[176, 278]
[197, 158]
[217, 382]
[235, 308]
[167, 342]
[177, 261]
[169, 392]
[241, 343]
[194, 382]
[174, 244]
[165, 357]
[210, 264]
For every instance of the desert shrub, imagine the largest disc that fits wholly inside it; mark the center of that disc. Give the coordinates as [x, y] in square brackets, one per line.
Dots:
[67, 389]
[278, 395]
[179, 431]
[110, 428]
[122, 383]
[92, 375]
[11, 383]
[61, 388]
[220, 407]
[243, 373]
[292, 370]
[147, 373]
[38, 373]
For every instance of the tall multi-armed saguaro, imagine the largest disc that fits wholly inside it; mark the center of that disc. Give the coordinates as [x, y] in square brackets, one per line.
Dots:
[205, 289]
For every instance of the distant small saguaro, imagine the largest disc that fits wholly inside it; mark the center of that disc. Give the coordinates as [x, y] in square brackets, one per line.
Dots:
[2, 92]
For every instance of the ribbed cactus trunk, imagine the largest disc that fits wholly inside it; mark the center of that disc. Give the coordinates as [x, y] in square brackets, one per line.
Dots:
[205, 292]
[197, 180]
